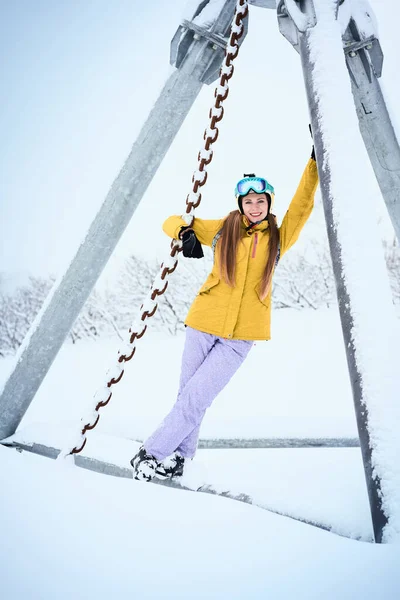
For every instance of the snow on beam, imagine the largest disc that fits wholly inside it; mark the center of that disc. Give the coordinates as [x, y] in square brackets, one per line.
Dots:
[107, 468]
[208, 489]
[370, 327]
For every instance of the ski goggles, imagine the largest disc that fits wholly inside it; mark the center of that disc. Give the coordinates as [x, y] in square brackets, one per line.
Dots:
[259, 185]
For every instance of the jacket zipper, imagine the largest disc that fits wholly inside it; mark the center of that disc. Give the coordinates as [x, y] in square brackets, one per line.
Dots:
[255, 245]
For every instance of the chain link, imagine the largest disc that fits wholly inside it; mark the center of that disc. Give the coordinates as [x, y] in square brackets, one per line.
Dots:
[193, 199]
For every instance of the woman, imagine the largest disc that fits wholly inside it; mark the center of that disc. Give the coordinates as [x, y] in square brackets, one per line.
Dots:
[231, 310]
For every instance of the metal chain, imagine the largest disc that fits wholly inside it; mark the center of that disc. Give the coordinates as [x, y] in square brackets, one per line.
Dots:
[103, 395]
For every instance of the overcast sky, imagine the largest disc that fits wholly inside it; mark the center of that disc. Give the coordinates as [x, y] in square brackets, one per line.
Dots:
[77, 81]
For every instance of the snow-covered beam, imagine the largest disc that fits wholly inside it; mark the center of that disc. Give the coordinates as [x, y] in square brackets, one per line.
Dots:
[369, 324]
[364, 59]
[213, 444]
[210, 21]
[51, 327]
[64, 303]
[374, 120]
[116, 470]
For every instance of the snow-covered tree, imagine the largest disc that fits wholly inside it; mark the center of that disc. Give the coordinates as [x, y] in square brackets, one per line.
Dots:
[302, 280]
[18, 310]
[305, 280]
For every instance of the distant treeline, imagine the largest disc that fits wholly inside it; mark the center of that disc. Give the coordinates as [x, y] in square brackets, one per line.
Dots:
[302, 280]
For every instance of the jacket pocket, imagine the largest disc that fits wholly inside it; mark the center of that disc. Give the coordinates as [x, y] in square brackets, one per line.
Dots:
[210, 283]
[267, 299]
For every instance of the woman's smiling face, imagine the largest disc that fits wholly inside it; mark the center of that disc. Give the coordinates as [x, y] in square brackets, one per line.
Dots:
[255, 206]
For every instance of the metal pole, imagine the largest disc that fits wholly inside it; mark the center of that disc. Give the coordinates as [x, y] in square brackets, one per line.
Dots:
[364, 60]
[345, 303]
[198, 58]
[374, 120]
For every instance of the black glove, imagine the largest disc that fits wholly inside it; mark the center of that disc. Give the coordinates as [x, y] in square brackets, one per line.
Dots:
[313, 149]
[191, 246]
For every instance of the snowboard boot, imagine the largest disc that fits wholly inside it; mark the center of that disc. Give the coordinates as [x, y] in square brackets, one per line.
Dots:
[144, 465]
[171, 468]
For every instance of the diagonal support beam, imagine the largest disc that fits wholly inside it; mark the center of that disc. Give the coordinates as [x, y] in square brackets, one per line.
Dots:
[364, 60]
[69, 293]
[198, 62]
[373, 374]
[374, 119]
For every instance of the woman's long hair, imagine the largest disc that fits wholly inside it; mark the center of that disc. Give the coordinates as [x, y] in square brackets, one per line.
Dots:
[228, 244]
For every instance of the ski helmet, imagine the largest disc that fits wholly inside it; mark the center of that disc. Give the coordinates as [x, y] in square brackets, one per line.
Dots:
[251, 183]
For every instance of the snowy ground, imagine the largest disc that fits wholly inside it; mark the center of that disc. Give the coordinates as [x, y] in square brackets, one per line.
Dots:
[73, 533]
[76, 534]
[295, 385]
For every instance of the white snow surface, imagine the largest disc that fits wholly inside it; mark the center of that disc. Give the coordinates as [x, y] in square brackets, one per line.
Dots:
[71, 533]
[375, 332]
[323, 486]
[300, 385]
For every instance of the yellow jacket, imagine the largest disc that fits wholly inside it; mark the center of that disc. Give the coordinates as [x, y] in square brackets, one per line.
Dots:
[238, 312]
